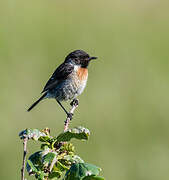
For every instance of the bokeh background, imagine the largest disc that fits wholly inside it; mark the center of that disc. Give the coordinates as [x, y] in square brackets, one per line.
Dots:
[126, 102]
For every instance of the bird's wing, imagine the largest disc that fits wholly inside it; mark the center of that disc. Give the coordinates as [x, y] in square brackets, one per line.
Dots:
[61, 73]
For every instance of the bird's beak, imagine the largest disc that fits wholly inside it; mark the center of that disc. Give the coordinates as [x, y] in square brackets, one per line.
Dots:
[91, 58]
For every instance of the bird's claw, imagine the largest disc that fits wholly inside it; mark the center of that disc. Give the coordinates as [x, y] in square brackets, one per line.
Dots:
[70, 116]
[75, 102]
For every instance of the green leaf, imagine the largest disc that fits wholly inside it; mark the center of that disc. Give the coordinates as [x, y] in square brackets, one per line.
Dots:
[44, 146]
[61, 167]
[34, 163]
[67, 147]
[34, 134]
[55, 175]
[73, 159]
[31, 169]
[80, 170]
[45, 139]
[78, 133]
[40, 175]
[49, 158]
[93, 178]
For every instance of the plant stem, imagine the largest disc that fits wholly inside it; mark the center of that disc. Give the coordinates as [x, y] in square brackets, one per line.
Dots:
[25, 140]
[53, 163]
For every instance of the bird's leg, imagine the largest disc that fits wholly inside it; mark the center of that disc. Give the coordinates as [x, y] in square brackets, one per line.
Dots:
[69, 115]
[75, 102]
[74, 105]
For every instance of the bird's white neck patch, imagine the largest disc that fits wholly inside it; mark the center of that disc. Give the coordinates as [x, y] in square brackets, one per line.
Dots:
[76, 67]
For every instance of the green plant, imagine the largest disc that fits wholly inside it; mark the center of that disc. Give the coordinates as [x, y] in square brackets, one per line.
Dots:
[56, 158]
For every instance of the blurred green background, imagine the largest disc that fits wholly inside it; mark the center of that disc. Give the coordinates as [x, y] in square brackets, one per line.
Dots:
[126, 102]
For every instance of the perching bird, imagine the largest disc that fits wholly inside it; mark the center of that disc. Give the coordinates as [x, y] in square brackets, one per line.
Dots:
[68, 80]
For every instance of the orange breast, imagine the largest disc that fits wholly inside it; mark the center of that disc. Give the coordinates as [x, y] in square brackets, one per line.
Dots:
[82, 73]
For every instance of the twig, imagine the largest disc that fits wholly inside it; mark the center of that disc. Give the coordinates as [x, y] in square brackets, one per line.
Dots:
[25, 140]
[74, 105]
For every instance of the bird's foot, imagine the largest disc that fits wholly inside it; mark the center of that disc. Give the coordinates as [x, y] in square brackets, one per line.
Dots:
[75, 102]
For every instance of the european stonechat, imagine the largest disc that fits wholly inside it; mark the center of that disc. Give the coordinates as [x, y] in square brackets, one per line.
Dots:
[68, 80]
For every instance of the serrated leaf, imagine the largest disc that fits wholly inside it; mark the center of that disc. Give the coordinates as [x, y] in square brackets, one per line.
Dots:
[80, 170]
[77, 133]
[93, 178]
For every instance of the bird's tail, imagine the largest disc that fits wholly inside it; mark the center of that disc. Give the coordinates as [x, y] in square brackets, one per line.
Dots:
[35, 103]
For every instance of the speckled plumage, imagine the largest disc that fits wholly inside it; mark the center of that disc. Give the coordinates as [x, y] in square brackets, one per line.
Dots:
[68, 80]
[71, 87]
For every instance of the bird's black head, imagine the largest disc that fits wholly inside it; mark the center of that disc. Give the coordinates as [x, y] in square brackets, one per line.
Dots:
[79, 57]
